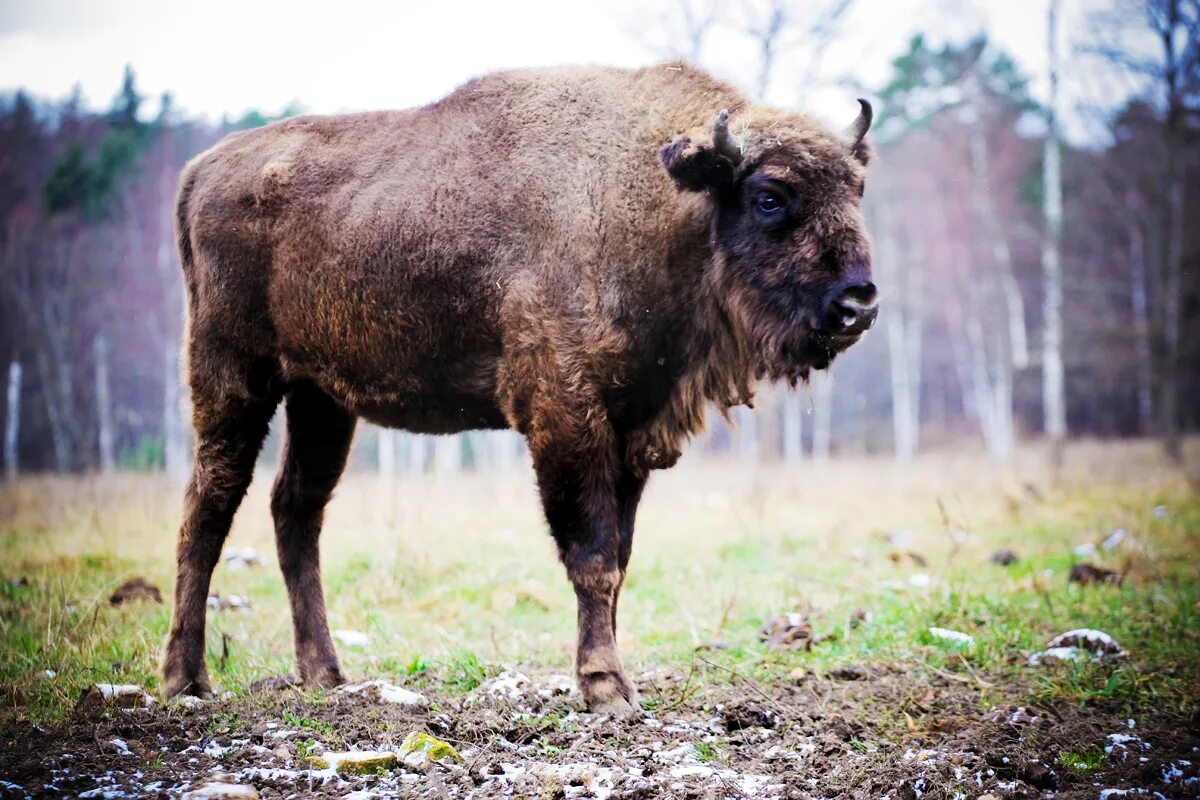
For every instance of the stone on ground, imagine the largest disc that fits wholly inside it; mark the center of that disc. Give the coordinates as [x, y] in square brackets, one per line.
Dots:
[419, 747]
[222, 791]
[356, 762]
[388, 693]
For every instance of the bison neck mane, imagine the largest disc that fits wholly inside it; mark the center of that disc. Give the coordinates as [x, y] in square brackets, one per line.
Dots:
[737, 342]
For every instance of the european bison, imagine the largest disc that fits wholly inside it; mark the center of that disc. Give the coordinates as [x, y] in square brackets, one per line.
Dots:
[582, 254]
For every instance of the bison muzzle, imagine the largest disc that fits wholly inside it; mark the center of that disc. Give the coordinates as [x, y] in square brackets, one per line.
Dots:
[588, 256]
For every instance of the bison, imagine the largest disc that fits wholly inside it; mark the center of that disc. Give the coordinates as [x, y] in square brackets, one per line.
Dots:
[589, 256]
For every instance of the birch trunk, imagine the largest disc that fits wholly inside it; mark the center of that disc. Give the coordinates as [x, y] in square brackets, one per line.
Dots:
[1001, 255]
[1053, 389]
[12, 421]
[793, 427]
[822, 414]
[386, 451]
[106, 437]
[747, 434]
[903, 323]
[58, 427]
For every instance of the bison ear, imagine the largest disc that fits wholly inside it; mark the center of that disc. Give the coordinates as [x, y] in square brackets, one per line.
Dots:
[696, 167]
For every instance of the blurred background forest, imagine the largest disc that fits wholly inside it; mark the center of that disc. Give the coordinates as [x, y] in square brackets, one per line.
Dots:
[1034, 284]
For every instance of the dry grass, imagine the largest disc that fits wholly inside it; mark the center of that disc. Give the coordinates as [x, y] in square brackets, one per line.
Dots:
[457, 570]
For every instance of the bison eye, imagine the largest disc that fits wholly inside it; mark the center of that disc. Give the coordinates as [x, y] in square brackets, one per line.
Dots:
[768, 205]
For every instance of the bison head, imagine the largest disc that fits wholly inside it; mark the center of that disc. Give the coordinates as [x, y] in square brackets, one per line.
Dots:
[791, 257]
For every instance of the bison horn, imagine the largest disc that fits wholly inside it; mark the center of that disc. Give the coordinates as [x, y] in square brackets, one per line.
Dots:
[722, 141]
[862, 123]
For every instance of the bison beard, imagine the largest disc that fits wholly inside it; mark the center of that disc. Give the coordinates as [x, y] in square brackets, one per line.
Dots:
[584, 255]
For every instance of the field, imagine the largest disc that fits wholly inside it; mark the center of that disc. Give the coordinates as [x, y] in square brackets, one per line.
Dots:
[454, 582]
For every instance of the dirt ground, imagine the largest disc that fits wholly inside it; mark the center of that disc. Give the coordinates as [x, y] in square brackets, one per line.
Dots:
[857, 733]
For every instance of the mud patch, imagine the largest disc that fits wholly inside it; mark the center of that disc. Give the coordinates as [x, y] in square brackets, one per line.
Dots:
[879, 732]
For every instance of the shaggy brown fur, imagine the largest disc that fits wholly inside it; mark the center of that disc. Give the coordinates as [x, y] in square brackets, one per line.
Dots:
[581, 254]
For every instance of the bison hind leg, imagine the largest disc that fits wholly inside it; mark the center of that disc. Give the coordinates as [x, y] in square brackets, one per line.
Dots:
[231, 423]
[319, 432]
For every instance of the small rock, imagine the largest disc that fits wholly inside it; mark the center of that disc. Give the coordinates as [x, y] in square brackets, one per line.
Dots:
[100, 696]
[1056, 655]
[233, 602]
[1084, 550]
[186, 701]
[1078, 645]
[419, 747]
[352, 638]
[242, 557]
[1089, 574]
[222, 791]
[282, 753]
[1004, 557]
[50, 674]
[384, 692]
[508, 685]
[1114, 539]
[1096, 642]
[957, 637]
[356, 762]
[135, 590]
[919, 580]
[790, 631]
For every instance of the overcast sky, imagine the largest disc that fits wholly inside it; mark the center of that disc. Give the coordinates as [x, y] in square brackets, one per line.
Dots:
[227, 56]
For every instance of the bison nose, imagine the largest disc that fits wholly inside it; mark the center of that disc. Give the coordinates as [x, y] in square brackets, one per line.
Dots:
[852, 309]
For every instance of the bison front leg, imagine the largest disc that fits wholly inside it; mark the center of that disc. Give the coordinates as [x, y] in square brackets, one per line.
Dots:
[579, 494]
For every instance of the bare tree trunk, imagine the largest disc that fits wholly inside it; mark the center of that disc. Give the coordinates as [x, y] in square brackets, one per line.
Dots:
[747, 434]
[903, 322]
[1172, 287]
[12, 421]
[106, 439]
[793, 427]
[992, 379]
[1001, 254]
[417, 452]
[174, 451]
[1141, 326]
[1177, 65]
[447, 454]
[58, 427]
[822, 414]
[174, 413]
[1054, 403]
[386, 450]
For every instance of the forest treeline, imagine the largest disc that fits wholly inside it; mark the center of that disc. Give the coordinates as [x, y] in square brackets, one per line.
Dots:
[975, 202]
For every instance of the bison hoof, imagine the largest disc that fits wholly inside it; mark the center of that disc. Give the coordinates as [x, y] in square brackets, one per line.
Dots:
[608, 693]
[322, 677]
[189, 687]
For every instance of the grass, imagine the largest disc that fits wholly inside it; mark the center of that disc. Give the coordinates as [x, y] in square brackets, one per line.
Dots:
[452, 591]
[1091, 761]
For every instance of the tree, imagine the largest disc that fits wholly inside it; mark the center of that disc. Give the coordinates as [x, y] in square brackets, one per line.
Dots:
[1171, 30]
[1054, 403]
